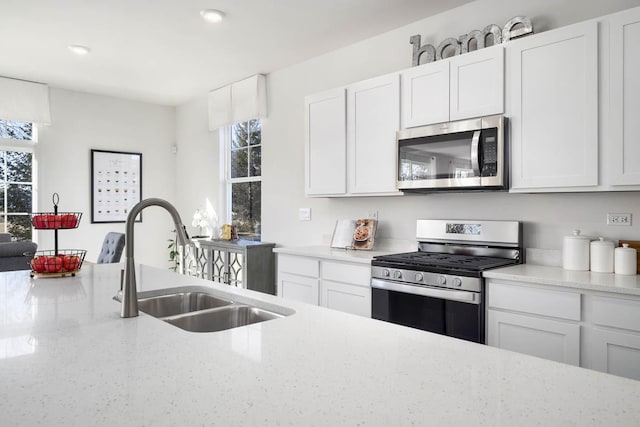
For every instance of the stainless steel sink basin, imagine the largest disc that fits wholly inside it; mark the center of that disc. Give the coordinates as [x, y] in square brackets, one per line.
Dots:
[196, 309]
[178, 303]
[219, 319]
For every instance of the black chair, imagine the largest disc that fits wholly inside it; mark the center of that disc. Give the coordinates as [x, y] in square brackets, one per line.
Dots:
[111, 248]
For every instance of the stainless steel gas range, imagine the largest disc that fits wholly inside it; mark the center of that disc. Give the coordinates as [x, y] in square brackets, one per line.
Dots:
[440, 287]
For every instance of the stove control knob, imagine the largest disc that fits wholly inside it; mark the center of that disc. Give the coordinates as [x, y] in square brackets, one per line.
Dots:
[442, 280]
[386, 273]
[457, 282]
[419, 277]
[397, 274]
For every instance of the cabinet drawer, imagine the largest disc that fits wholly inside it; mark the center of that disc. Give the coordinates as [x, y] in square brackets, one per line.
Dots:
[616, 312]
[298, 265]
[563, 305]
[355, 274]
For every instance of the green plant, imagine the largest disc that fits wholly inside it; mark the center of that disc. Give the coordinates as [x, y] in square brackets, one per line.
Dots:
[174, 254]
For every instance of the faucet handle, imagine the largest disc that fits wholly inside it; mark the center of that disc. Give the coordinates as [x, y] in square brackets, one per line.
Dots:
[121, 279]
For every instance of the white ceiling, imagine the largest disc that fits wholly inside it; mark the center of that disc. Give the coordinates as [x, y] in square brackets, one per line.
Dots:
[162, 51]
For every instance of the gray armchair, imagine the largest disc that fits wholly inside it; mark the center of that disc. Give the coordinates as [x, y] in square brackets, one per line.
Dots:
[112, 247]
[15, 255]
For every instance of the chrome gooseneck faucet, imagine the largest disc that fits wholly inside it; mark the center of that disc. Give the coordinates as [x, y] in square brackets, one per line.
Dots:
[129, 291]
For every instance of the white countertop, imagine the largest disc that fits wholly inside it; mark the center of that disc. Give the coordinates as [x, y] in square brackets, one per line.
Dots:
[325, 252]
[556, 276]
[67, 358]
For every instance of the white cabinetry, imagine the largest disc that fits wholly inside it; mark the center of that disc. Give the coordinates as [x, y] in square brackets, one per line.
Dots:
[464, 86]
[624, 87]
[594, 330]
[298, 278]
[552, 103]
[373, 118]
[343, 286]
[613, 343]
[553, 339]
[350, 139]
[326, 143]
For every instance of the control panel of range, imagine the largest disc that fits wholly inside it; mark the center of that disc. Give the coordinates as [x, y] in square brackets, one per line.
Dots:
[427, 279]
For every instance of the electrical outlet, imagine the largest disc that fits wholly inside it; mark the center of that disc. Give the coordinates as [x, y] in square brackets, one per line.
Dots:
[304, 214]
[618, 219]
[373, 215]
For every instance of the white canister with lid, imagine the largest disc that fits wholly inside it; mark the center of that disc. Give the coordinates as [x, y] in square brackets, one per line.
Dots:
[602, 256]
[575, 252]
[626, 260]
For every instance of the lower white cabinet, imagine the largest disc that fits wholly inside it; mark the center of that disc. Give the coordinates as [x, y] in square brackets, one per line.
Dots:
[298, 288]
[546, 338]
[343, 286]
[614, 352]
[586, 328]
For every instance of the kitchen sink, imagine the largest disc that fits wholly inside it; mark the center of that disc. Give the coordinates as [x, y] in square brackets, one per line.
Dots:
[196, 309]
[179, 303]
[219, 319]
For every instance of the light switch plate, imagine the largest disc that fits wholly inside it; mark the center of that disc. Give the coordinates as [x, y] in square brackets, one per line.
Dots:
[304, 214]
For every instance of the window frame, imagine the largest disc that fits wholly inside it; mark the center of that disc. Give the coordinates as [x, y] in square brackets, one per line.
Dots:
[25, 146]
[226, 181]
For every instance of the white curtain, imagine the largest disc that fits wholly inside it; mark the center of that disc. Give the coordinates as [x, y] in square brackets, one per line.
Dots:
[238, 102]
[24, 101]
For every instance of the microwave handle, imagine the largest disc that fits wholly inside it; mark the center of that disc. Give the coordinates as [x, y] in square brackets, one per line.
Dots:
[475, 153]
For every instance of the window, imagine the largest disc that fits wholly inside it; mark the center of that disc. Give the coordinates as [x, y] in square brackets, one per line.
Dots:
[244, 179]
[16, 178]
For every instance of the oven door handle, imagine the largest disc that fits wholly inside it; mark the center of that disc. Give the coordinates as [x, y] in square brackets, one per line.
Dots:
[459, 296]
[475, 153]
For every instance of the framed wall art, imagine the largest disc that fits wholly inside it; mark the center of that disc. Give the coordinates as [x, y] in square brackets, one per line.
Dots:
[116, 185]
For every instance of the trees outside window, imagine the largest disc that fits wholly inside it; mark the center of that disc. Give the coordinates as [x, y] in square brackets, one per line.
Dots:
[16, 179]
[244, 178]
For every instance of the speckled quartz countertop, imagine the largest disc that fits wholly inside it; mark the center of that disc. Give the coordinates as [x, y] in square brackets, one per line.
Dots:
[556, 276]
[67, 358]
[325, 252]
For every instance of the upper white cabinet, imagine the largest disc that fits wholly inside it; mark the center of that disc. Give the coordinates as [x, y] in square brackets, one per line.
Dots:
[326, 143]
[373, 118]
[351, 139]
[425, 94]
[624, 86]
[552, 103]
[477, 83]
[461, 87]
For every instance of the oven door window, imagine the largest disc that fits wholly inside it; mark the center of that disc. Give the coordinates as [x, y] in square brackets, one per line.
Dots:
[451, 318]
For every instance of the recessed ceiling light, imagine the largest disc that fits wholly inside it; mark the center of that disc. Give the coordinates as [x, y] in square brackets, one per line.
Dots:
[212, 15]
[78, 49]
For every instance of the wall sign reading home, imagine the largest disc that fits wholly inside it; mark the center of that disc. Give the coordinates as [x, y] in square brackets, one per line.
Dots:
[116, 185]
[516, 27]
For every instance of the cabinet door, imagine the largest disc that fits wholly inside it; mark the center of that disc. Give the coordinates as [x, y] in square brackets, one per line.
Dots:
[345, 297]
[553, 108]
[614, 352]
[373, 118]
[298, 288]
[548, 339]
[625, 97]
[477, 83]
[326, 143]
[425, 94]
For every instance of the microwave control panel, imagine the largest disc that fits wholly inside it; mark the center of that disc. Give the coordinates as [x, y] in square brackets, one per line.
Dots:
[489, 153]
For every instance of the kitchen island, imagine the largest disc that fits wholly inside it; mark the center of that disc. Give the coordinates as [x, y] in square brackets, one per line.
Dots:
[67, 358]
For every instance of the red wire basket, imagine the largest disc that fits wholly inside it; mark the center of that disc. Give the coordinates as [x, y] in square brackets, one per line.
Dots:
[66, 261]
[53, 221]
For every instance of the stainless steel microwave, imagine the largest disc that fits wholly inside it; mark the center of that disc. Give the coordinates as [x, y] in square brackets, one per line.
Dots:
[462, 155]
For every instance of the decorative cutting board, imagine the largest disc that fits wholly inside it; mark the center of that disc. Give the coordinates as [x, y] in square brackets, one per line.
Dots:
[633, 244]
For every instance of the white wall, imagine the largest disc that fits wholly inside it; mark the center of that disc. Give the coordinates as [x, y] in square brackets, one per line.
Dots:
[197, 162]
[83, 121]
[548, 216]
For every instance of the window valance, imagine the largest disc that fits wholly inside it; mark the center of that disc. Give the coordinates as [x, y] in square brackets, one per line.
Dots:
[24, 101]
[238, 102]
